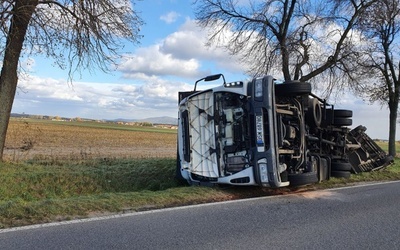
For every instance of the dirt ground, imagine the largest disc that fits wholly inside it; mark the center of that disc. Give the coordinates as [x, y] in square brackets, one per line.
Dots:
[38, 140]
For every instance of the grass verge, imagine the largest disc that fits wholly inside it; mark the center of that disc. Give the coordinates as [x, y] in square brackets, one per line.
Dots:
[44, 191]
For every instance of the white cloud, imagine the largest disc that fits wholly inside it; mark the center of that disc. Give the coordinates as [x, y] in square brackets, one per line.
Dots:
[170, 17]
[149, 98]
[47, 88]
[183, 53]
[190, 41]
[150, 61]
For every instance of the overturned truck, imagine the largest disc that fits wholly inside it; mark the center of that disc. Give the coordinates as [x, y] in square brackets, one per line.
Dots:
[270, 134]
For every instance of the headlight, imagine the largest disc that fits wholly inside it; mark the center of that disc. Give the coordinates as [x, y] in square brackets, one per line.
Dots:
[262, 164]
[258, 88]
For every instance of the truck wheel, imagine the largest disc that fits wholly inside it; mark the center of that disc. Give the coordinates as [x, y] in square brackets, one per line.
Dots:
[293, 89]
[342, 122]
[341, 166]
[314, 113]
[339, 117]
[341, 174]
[343, 113]
[303, 179]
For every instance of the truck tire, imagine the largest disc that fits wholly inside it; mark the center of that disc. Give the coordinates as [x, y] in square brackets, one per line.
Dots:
[343, 113]
[293, 89]
[314, 113]
[341, 174]
[303, 179]
[339, 117]
[341, 166]
[342, 122]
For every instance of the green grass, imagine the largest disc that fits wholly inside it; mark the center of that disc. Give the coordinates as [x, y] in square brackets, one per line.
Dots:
[385, 146]
[390, 173]
[36, 192]
[45, 191]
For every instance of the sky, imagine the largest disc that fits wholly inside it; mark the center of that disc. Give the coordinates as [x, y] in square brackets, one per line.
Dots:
[171, 56]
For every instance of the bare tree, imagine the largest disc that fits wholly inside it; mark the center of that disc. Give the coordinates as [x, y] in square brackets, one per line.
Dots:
[300, 39]
[77, 34]
[379, 71]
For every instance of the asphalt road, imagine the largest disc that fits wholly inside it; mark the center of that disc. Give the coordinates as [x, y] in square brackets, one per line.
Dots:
[362, 217]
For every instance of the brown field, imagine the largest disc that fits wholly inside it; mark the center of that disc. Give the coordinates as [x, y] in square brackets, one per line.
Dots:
[36, 139]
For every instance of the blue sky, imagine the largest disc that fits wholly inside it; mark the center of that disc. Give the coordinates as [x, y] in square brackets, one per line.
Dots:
[171, 56]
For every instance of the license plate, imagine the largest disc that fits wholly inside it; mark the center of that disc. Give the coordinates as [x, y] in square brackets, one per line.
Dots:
[259, 131]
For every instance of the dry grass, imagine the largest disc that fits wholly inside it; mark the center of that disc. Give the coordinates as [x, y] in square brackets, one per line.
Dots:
[35, 139]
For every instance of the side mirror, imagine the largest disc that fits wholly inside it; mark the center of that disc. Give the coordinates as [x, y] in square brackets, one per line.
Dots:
[209, 79]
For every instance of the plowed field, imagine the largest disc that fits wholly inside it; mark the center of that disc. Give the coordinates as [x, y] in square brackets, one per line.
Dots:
[39, 139]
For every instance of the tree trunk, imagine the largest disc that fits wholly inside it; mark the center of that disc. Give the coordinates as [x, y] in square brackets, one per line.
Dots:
[22, 14]
[393, 107]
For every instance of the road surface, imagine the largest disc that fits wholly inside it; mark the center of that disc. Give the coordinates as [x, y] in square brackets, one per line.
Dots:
[361, 217]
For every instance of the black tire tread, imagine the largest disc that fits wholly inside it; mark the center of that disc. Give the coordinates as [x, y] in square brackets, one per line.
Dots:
[342, 121]
[344, 113]
[341, 166]
[293, 88]
[303, 179]
[314, 113]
